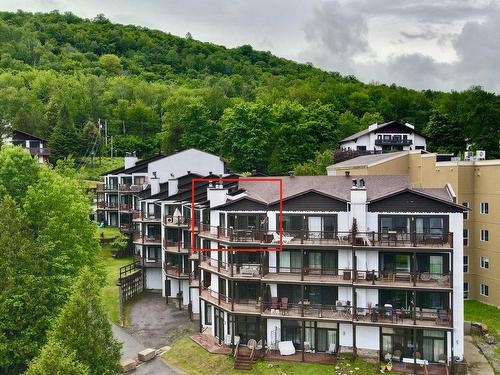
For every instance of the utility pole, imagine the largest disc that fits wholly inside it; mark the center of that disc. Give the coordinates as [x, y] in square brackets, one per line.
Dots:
[106, 131]
[111, 142]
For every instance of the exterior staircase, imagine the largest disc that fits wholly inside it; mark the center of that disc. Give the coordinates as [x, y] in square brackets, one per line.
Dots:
[243, 359]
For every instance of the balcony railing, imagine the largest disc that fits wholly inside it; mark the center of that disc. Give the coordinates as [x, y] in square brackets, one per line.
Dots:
[175, 270]
[240, 270]
[108, 206]
[240, 305]
[126, 227]
[144, 216]
[148, 262]
[39, 151]
[394, 141]
[328, 238]
[131, 188]
[126, 207]
[175, 247]
[154, 239]
[176, 221]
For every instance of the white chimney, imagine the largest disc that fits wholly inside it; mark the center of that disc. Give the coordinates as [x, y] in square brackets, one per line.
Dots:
[358, 203]
[130, 159]
[173, 186]
[155, 184]
[217, 194]
[410, 125]
[373, 126]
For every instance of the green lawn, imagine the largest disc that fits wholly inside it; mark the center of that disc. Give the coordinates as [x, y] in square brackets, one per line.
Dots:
[184, 350]
[101, 166]
[108, 232]
[110, 290]
[480, 312]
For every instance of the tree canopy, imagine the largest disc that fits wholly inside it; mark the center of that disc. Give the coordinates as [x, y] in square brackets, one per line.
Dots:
[151, 90]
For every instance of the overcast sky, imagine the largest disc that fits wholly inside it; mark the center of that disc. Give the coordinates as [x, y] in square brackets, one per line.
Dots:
[437, 44]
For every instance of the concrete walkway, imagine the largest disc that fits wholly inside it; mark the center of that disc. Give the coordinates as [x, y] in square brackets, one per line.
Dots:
[478, 365]
[131, 346]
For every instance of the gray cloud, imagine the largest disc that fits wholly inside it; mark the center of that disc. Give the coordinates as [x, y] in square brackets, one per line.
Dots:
[425, 35]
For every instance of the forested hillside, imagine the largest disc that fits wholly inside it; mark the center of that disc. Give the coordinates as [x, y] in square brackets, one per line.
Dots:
[61, 74]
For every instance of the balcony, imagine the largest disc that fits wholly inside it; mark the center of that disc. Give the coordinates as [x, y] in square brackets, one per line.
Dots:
[148, 262]
[235, 270]
[423, 280]
[126, 207]
[130, 188]
[176, 221]
[126, 228]
[39, 151]
[149, 239]
[107, 206]
[175, 270]
[248, 306]
[108, 188]
[342, 311]
[142, 216]
[175, 247]
[327, 238]
[393, 141]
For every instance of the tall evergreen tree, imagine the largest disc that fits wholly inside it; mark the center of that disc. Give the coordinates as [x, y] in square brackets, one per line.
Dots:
[83, 327]
[65, 139]
[55, 359]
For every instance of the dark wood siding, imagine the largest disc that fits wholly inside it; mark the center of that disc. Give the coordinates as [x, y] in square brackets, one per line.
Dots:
[410, 202]
[245, 205]
[311, 201]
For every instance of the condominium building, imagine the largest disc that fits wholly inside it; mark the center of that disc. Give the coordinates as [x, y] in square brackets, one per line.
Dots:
[475, 185]
[128, 198]
[363, 265]
[386, 137]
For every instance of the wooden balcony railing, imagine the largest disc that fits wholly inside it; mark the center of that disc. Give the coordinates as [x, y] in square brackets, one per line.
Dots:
[175, 247]
[330, 238]
[146, 238]
[175, 270]
[174, 221]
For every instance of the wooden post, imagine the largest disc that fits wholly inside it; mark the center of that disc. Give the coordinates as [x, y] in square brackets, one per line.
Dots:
[354, 347]
[303, 339]
[414, 258]
[414, 350]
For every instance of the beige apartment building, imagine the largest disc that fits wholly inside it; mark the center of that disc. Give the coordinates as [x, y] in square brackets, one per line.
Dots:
[475, 184]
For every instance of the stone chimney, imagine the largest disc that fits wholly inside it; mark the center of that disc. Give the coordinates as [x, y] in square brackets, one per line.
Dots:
[358, 203]
[155, 184]
[130, 159]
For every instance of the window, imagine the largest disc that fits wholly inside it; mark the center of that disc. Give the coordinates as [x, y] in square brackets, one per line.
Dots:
[466, 290]
[484, 235]
[466, 263]
[152, 254]
[484, 208]
[466, 237]
[208, 314]
[485, 262]
[466, 213]
[361, 148]
[484, 290]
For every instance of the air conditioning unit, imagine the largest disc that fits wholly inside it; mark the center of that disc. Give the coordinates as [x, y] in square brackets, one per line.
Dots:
[480, 155]
[170, 220]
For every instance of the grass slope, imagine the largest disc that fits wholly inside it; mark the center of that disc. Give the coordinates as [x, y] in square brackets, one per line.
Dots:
[184, 350]
[110, 290]
[102, 165]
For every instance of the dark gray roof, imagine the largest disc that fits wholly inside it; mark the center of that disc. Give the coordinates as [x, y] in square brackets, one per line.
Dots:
[337, 187]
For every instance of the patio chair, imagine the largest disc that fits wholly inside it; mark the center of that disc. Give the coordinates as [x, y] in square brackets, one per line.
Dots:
[252, 344]
[332, 349]
[284, 305]
[259, 345]
[286, 239]
[274, 303]
[396, 356]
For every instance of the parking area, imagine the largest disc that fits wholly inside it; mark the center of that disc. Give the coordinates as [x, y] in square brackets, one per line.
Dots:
[155, 324]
